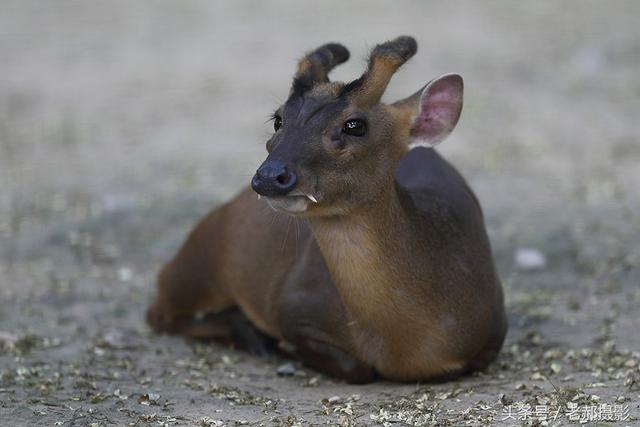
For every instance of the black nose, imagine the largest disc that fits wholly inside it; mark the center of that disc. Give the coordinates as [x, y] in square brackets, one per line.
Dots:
[273, 179]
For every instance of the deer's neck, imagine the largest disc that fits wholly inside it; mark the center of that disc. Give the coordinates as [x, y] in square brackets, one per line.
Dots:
[370, 256]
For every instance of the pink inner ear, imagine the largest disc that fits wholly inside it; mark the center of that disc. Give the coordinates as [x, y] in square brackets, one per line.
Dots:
[440, 107]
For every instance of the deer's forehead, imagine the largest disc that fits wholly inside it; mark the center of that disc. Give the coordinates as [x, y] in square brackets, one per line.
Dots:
[314, 108]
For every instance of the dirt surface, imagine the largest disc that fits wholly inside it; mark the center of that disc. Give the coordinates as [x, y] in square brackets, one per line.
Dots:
[122, 123]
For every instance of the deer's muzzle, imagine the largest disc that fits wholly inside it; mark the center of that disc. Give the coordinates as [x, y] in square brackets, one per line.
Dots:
[273, 179]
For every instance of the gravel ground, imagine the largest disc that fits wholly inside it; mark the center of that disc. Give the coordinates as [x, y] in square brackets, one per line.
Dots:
[122, 123]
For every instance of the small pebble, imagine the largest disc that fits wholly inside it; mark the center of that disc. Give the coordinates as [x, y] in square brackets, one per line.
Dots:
[530, 259]
[286, 369]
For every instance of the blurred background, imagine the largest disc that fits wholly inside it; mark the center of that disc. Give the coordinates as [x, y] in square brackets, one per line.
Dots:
[121, 123]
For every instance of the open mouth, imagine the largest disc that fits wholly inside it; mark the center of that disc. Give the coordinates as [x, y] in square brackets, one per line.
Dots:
[292, 203]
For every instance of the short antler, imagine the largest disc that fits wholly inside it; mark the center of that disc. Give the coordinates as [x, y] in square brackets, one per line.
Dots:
[314, 67]
[384, 60]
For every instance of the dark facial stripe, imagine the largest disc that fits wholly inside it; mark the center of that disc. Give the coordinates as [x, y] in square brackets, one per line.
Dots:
[352, 86]
[301, 85]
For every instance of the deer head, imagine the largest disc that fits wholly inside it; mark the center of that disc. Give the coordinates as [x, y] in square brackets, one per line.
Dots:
[335, 146]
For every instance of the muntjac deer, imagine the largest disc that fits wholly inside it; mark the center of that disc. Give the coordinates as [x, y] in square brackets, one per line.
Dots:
[388, 271]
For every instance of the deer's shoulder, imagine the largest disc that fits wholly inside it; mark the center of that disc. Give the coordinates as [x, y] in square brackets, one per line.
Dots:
[432, 186]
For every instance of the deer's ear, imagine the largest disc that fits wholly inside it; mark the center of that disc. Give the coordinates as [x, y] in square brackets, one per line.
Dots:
[439, 109]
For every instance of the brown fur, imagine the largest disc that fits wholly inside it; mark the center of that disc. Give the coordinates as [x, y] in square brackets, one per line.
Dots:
[381, 277]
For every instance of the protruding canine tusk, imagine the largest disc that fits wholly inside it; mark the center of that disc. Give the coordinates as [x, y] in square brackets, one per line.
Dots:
[259, 196]
[313, 199]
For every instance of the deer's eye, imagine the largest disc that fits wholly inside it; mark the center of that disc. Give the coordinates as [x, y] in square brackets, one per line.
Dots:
[277, 123]
[354, 127]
